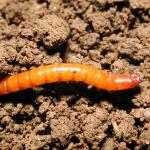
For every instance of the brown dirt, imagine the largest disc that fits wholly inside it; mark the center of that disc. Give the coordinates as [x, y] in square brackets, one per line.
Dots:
[109, 34]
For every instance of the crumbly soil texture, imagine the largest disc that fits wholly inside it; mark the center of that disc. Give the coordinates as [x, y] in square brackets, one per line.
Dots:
[109, 34]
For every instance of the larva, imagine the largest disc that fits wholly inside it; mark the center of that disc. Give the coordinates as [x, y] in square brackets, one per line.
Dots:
[68, 72]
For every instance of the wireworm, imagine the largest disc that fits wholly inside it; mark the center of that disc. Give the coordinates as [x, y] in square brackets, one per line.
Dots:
[68, 72]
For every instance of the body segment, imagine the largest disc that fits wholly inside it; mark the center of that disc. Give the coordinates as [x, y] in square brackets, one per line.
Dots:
[68, 72]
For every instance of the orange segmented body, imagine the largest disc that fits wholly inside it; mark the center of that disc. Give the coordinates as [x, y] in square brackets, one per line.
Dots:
[68, 72]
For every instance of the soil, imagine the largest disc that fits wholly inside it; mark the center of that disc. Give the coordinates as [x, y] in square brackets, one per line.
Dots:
[109, 34]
